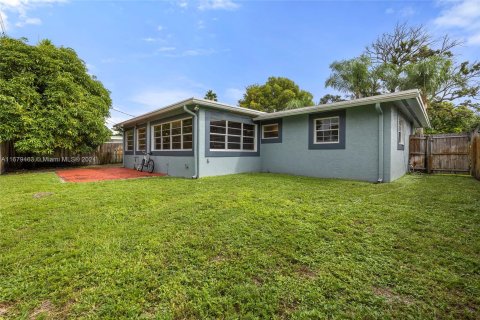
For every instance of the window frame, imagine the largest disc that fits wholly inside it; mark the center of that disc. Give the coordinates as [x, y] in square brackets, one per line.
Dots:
[270, 124]
[226, 135]
[138, 139]
[342, 114]
[315, 130]
[400, 133]
[127, 149]
[160, 124]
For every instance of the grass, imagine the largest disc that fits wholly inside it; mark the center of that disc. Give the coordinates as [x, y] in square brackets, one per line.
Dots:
[240, 246]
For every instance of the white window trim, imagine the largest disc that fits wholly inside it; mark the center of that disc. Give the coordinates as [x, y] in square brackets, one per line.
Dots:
[400, 131]
[315, 130]
[161, 137]
[269, 124]
[137, 138]
[126, 140]
[241, 138]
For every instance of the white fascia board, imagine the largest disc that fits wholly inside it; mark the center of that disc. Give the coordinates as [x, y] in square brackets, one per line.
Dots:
[402, 95]
[190, 101]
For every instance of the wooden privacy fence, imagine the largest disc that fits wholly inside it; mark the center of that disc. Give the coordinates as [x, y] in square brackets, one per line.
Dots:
[441, 153]
[476, 155]
[107, 153]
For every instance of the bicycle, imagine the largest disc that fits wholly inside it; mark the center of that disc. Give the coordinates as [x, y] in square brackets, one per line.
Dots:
[146, 162]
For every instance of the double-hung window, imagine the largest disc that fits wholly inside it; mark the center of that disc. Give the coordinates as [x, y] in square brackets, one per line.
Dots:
[173, 135]
[141, 139]
[270, 131]
[326, 130]
[228, 135]
[129, 140]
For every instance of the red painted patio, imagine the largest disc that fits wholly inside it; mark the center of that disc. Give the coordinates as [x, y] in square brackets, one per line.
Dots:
[100, 174]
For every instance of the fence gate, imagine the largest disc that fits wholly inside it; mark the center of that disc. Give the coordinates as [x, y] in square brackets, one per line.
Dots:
[441, 153]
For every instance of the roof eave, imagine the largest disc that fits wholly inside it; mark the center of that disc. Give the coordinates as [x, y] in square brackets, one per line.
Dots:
[410, 94]
[190, 101]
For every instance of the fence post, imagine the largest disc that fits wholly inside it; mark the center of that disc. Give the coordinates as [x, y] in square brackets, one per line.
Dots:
[428, 151]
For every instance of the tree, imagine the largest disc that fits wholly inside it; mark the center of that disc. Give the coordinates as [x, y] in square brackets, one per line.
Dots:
[446, 117]
[356, 77]
[276, 94]
[330, 98]
[407, 58]
[210, 95]
[410, 57]
[48, 100]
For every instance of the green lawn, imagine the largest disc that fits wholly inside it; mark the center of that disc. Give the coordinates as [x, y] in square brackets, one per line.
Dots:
[240, 246]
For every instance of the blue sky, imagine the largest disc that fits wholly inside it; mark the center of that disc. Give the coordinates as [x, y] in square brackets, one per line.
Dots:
[152, 53]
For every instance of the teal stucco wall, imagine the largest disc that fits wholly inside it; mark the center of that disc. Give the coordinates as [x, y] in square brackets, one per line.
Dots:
[217, 165]
[396, 159]
[173, 164]
[359, 159]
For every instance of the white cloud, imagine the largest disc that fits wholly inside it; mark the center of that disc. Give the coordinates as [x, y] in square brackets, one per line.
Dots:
[192, 53]
[201, 24]
[160, 28]
[462, 16]
[404, 12]
[182, 4]
[218, 5]
[27, 21]
[157, 98]
[165, 49]
[232, 95]
[407, 12]
[20, 9]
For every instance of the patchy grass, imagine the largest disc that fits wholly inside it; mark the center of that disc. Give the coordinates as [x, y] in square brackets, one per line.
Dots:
[249, 246]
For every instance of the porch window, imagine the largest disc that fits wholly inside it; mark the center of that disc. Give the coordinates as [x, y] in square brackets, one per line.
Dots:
[173, 135]
[129, 140]
[231, 135]
[270, 131]
[141, 139]
[326, 130]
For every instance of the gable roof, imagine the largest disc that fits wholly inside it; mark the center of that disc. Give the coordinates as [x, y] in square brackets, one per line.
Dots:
[409, 102]
[191, 101]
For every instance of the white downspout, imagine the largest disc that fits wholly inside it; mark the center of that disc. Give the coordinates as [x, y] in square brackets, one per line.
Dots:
[380, 142]
[195, 141]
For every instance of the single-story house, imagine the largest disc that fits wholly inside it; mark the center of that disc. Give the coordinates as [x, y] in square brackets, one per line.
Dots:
[361, 139]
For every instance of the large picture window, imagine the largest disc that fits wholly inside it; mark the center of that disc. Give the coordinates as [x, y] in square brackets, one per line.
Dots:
[173, 135]
[327, 130]
[231, 135]
[129, 140]
[141, 139]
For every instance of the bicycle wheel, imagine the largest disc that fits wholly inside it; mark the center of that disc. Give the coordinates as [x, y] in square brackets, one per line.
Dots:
[140, 167]
[150, 166]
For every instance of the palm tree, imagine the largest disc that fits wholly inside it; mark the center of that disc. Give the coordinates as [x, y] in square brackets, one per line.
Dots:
[356, 77]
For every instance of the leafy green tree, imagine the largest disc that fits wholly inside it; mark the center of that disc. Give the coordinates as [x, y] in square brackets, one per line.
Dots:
[407, 58]
[210, 95]
[330, 98]
[446, 117]
[48, 100]
[356, 77]
[276, 94]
